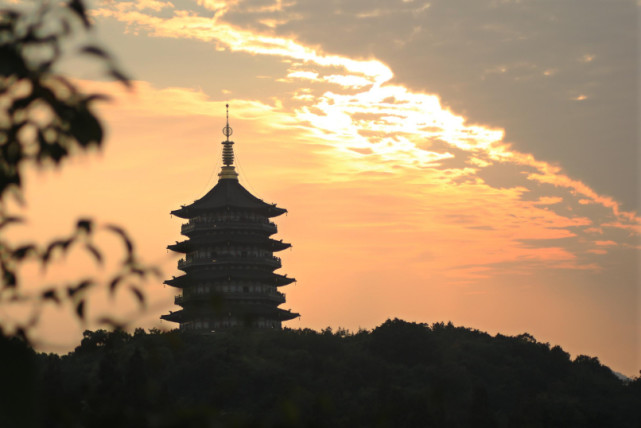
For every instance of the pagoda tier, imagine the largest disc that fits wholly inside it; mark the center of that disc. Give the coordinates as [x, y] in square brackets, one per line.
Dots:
[229, 316]
[238, 227]
[229, 264]
[225, 240]
[225, 195]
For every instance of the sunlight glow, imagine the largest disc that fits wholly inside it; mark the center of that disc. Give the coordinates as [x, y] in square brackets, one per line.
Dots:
[382, 128]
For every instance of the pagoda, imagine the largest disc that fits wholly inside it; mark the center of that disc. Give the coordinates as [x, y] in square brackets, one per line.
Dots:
[229, 262]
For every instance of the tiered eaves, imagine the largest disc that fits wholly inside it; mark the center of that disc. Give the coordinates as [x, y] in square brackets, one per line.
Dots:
[229, 264]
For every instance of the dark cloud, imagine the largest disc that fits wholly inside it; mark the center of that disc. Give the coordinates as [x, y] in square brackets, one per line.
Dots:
[560, 77]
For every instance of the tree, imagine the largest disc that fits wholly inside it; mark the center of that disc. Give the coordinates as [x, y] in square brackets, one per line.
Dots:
[45, 119]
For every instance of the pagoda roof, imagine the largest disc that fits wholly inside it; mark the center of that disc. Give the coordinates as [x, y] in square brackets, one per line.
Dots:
[255, 310]
[228, 193]
[193, 243]
[213, 275]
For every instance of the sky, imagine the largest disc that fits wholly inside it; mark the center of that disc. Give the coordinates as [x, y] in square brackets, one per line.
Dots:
[472, 161]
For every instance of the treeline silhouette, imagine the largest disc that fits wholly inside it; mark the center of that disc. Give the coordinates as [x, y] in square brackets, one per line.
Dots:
[400, 374]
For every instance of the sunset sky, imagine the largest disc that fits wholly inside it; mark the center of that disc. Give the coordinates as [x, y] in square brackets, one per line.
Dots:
[473, 161]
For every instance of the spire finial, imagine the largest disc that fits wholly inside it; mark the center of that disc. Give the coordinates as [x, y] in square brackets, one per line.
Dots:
[227, 131]
[228, 170]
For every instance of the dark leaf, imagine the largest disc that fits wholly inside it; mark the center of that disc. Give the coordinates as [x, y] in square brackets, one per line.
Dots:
[97, 97]
[114, 284]
[118, 75]
[55, 152]
[125, 239]
[45, 66]
[94, 252]
[11, 62]
[30, 33]
[9, 279]
[22, 334]
[63, 244]
[55, 244]
[138, 271]
[67, 243]
[80, 309]
[66, 28]
[84, 225]
[50, 294]
[79, 8]
[61, 80]
[85, 127]
[22, 252]
[51, 39]
[9, 15]
[71, 291]
[139, 295]
[42, 141]
[12, 152]
[23, 102]
[45, 258]
[8, 220]
[94, 50]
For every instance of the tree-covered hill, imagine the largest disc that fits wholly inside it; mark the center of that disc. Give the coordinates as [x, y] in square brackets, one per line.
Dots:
[399, 375]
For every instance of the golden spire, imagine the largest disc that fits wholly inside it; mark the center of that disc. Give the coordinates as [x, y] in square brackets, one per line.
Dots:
[228, 170]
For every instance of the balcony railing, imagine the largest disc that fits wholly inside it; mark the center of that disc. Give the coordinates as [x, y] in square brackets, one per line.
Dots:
[271, 261]
[273, 296]
[191, 226]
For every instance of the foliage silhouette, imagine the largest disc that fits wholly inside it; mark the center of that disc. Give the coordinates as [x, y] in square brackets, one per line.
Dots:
[44, 119]
[454, 377]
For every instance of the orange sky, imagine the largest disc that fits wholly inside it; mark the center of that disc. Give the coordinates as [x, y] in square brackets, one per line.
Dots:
[398, 207]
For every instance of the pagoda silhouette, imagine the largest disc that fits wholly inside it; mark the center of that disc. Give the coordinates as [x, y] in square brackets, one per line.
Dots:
[229, 262]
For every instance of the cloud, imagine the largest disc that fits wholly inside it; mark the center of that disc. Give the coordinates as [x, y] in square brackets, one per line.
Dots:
[370, 124]
[492, 62]
[467, 220]
[154, 5]
[605, 243]
[549, 200]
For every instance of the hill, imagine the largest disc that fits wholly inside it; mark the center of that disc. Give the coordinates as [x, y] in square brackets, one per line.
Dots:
[400, 374]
